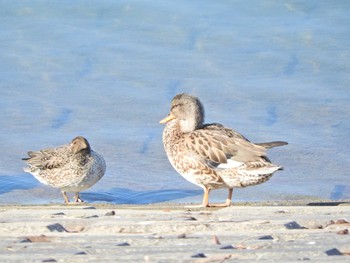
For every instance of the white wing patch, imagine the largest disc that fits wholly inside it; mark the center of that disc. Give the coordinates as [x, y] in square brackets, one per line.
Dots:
[230, 164]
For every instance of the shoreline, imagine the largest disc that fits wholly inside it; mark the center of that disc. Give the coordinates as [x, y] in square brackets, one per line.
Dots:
[315, 202]
[172, 233]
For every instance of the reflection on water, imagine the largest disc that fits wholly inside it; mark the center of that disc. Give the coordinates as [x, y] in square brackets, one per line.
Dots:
[107, 70]
[126, 196]
[41, 195]
[17, 182]
[338, 192]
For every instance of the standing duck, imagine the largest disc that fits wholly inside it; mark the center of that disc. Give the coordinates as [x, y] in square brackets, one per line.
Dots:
[211, 155]
[71, 167]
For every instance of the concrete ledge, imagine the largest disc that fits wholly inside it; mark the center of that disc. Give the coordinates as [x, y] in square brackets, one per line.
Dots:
[170, 233]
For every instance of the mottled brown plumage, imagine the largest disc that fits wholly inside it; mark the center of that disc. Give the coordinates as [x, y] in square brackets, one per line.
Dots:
[211, 155]
[72, 167]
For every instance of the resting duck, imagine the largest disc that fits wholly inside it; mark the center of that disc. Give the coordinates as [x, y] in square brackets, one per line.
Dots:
[71, 167]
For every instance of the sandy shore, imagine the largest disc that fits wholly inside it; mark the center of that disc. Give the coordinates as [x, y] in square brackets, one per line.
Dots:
[172, 233]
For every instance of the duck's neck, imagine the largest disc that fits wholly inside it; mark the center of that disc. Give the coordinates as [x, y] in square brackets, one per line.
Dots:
[194, 122]
[172, 129]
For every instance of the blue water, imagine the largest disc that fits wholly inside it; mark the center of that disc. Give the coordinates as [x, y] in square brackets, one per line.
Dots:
[107, 70]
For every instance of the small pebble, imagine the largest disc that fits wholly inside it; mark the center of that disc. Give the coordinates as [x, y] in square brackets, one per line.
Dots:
[216, 240]
[268, 237]
[330, 222]
[81, 253]
[157, 237]
[343, 232]
[56, 228]
[228, 247]
[206, 213]
[280, 212]
[59, 214]
[88, 217]
[111, 213]
[333, 252]
[341, 221]
[9, 248]
[314, 225]
[190, 218]
[302, 259]
[199, 255]
[34, 239]
[293, 225]
[74, 228]
[124, 244]
[26, 240]
[49, 260]
[181, 236]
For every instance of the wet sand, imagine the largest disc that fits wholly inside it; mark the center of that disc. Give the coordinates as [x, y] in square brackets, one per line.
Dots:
[171, 233]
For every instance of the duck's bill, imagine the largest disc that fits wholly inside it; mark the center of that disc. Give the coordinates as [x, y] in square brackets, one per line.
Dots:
[168, 118]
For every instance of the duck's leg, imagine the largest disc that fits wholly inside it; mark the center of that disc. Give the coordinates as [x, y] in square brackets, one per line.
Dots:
[66, 200]
[227, 202]
[229, 197]
[77, 198]
[205, 202]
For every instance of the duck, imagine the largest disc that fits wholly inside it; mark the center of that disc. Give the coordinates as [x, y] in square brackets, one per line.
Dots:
[71, 167]
[213, 156]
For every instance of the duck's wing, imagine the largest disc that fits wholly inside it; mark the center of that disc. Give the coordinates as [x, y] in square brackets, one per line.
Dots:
[217, 148]
[222, 129]
[235, 134]
[49, 158]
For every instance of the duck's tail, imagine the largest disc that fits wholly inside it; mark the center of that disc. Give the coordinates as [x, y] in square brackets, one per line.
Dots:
[269, 145]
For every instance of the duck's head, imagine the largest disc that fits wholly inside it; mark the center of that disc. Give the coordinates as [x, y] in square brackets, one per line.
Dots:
[80, 144]
[188, 111]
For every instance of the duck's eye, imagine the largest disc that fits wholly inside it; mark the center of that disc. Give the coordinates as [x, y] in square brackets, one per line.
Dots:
[176, 105]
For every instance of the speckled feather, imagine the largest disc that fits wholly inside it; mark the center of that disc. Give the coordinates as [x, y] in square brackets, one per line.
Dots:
[211, 155]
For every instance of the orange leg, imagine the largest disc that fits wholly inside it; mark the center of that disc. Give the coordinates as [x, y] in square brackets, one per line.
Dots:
[229, 197]
[205, 202]
[227, 202]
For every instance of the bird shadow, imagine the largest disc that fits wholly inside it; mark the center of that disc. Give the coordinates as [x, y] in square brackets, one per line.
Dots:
[127, 196]
[25, 181]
